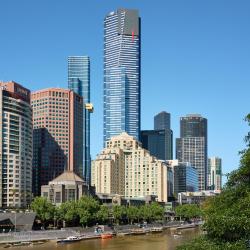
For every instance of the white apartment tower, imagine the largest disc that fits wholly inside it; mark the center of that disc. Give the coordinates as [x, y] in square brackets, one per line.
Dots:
[15, 145]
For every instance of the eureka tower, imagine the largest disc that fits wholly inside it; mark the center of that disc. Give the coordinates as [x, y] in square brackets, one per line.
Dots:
[122, 73]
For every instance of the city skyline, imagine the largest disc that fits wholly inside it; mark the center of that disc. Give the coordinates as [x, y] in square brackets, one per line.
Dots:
[209, 107]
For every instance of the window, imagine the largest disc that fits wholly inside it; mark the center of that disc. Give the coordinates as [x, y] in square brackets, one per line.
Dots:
[71, 194]
[58, 197]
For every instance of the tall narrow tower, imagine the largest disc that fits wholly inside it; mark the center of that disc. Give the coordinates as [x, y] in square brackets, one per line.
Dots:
[214, 173]
[79, 82]
[122, 73]
[192, 145]
[15, 145]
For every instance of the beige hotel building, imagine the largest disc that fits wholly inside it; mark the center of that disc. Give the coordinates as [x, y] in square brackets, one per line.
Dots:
[125, 168]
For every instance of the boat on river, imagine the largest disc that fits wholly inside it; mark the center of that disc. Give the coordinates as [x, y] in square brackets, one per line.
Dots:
[123, 233]
[106, 235]
[177, 236]
[187, 226]
[136, 231]
[156, 229]
[70, 239]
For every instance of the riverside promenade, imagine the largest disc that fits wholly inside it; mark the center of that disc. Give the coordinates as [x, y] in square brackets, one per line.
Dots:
[46, 235]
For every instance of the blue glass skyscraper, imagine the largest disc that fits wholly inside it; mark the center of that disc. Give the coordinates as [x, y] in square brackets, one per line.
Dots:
[79, 82]
[122, 73]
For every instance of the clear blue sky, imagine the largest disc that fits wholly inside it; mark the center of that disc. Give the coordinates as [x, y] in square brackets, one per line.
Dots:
[195, 59]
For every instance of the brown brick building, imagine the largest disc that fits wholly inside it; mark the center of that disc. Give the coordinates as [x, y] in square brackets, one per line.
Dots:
[57, 134]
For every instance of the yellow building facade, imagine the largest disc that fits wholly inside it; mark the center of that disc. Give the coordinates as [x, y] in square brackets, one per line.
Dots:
[125, 168]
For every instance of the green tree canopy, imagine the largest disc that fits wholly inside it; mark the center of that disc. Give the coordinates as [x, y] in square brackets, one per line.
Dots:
[157, 211]
[67, 212]
[119, 212]
[103, 214]
[87, 208]
[132, 213]
[188, 211]
[44, 209]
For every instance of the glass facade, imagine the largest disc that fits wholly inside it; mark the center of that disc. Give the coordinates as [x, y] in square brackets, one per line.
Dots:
[158, 142]
[185, 178]
[79, 82]
[162, 121]
[122, 73]
[193, 126]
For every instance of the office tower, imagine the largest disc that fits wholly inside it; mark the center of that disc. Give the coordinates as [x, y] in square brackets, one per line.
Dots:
[57, 134]
[193, 125]
[185, 177]
[125, 168]
[122, 73]
[192, 146]
[160, 140]
[15, 145]
[158, 143]
[79, 82]
[162, 121]
[214, 173]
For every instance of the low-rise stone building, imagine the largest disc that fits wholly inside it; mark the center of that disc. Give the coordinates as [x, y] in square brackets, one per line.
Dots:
[66, 187]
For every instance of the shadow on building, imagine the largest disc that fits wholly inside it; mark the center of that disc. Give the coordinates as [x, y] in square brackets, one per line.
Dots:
[49, 159]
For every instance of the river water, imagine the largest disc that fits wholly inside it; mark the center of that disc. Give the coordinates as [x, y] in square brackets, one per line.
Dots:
[159, 241]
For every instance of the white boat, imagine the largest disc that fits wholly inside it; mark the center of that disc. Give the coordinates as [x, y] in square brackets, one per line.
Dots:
[177, 236]
[70, 239]
[156, 229]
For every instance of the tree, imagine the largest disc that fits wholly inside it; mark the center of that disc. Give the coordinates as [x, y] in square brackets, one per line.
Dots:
[119, 212]
[146, 212]
[87, 208]
[157, 211]
[67, 212]
[103, 214]
[44, 209]
[132, 214]
[188, 211]
[227, 216]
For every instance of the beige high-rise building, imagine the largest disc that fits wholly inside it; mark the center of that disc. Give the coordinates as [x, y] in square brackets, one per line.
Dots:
[15, 145]
[58, 134]
[125, 168]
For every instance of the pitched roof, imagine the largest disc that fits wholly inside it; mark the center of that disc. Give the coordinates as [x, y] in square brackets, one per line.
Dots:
[67, 176]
